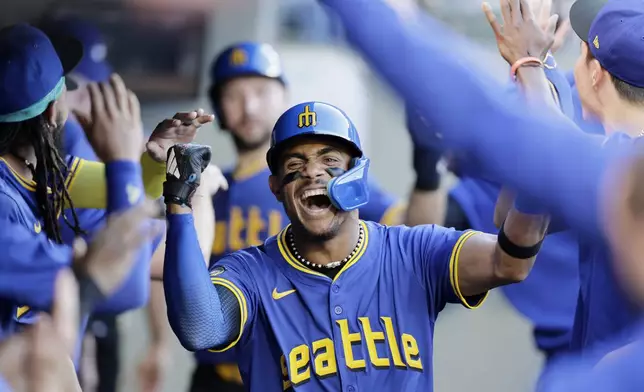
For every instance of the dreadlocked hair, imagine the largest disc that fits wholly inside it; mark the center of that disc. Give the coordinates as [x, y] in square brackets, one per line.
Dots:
[49, 172]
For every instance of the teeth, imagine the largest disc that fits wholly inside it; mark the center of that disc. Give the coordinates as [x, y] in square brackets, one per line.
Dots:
[313, 192]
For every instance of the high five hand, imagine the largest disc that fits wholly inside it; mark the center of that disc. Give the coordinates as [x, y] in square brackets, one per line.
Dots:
[521, 34]
[182, 128]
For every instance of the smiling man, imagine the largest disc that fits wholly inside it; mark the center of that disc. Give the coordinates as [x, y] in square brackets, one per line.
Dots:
[332, 302]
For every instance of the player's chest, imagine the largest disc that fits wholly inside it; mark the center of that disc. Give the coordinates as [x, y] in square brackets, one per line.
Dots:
[347, 328]
[246, 216]
[26, 214]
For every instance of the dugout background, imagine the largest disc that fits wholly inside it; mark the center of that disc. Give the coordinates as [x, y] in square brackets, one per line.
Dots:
[488, 350]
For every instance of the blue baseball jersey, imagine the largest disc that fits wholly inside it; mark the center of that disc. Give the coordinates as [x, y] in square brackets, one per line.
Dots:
[75, 144]
[548, 296]
[368, 329]
[18, 205]
[622, 372]
[248, 213]
[605, 314]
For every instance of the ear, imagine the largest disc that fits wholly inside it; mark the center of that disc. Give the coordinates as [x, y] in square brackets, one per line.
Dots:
[50, 113]
[597, 73]
[276, 187]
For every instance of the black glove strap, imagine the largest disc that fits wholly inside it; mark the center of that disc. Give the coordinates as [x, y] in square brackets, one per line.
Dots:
[514, 250]
[178, 192]
[426, 166]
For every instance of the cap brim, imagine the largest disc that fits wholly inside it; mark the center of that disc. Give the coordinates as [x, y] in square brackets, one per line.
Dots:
[70, 52]
[582, 15]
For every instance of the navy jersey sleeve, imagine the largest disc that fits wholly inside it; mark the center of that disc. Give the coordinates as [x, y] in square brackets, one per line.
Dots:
[232, 274]
[433, 253]
[383, 207]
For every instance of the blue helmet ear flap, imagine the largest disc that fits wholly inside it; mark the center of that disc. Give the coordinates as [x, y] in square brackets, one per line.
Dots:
[350, 190]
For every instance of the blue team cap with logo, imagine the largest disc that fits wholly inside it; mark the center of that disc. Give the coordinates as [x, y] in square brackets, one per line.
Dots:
[32, 70]
[614, 32]
[93, 66]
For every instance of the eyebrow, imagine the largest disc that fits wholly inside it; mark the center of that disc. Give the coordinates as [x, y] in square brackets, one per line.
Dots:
[327, 150]
[303, 157]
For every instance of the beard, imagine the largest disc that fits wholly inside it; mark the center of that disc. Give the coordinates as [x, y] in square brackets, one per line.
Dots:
[243, 145]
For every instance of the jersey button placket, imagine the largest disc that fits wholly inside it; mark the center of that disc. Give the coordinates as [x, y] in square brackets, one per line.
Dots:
[337, 310]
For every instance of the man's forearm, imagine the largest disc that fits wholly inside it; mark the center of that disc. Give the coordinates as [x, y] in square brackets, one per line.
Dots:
[524, 232]
[536, 87]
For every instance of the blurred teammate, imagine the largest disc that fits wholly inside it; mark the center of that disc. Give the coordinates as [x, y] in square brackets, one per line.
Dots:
[548, 297]
[92, 67]
[39, 359]
[333, 302]
[618, 104]
[38, 184]
[546, 149]
[249, 92]
[620, 370]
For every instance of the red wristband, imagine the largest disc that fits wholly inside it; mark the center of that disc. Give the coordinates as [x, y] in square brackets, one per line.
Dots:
[523, 61]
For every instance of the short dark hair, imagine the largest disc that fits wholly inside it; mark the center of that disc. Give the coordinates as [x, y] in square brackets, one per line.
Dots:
[626, 91]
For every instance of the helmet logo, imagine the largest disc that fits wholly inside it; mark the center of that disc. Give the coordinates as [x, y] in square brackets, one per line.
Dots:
[238, 57]
[307, 118]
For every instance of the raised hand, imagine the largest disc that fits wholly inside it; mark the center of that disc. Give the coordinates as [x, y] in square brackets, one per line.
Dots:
[180, 129]
[114, 128]
[521, 34]
[543, 12]
[110, 256]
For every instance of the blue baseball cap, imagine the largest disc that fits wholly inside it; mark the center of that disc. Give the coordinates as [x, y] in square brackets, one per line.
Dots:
[614, 32]
[32, 70]
[93, 66]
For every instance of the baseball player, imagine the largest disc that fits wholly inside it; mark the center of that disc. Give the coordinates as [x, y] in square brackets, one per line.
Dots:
[249, 91]
[38, 183]
[332, 302]
[98, 269]
[618, 103]
[546, 149]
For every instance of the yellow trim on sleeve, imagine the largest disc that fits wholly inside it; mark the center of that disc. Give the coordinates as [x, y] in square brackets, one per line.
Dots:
[285, 251]
[453, 270]
[393, 214]
[243, 307]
